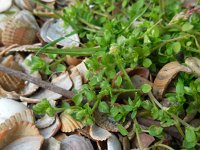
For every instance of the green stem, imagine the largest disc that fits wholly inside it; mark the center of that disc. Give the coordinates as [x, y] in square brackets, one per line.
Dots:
[164, 146]
[89, 24]
[125, 90]
[96, 104]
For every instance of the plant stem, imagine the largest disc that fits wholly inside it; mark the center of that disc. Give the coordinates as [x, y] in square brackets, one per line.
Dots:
[164, 146]
[96, 104]
[125, 90]
[89, 24]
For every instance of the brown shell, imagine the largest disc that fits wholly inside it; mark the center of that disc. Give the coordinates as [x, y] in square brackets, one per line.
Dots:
[11, 83]
[20, 29]
[72, 60]
[51, 144]
[76, 142]
[11, 131]
[69, 124]
[165, 76]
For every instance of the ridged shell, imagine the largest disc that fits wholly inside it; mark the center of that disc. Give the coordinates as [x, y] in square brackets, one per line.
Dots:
[54, 29]
[11, 83]
[5, 5]
[25, 4]
[69, 124]
[20, 29]
[76, 142]
[165, 76]
[51, 130]
[63, 81]
[12, 132]
[76, 79]
[45, 121]
[51, 144]
[9, 108]
[98, 133]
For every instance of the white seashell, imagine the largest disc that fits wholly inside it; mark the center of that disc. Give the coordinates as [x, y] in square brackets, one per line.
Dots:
[45, 121]
[20, 29]
[76, 142]
[113, 143]
[25, 4]
[69, 124]
[26, 143]
[5, 5]
[82, 70]
[63, 81]
[98, 133]
[55, 29]
[48, 1]
[51, 130]
[9, 107]
[51, 144]
[76, 79]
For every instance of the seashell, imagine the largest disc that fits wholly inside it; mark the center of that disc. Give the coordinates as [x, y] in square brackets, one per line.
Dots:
[51, 144]
[13, 133]
[72, 60]
[138, 81]
[82, 70]
[10, 95]
[9, 108]
[194, 64]
[63, 81]
[48, 1]
[76, 142]
[45, 121]
[60, 136]
[20, 29]
[5, 5]
[69, 124]
[51, 130]
[108, 123]
[76, 79]
[113, 143]
[165, 76]
[25, 4]
[54, 29]
[98, 133]
[11, 83]
[145, 140]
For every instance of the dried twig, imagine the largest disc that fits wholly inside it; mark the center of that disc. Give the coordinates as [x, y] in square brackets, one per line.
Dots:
[40, 83]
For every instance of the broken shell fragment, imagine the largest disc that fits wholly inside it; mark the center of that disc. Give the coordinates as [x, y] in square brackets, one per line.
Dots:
[113, 143]
[16, 133]
[5, 5]
[20, 29]
[9, 108]
[25, 4]
[82, 70]
[69, 124]
[194, 64]
[72, 60]
[165, 76]
[55, 29]
[51, 130]
[98, 133]
[76, 79]
[76, 142]
[63, 81]
[45, 121]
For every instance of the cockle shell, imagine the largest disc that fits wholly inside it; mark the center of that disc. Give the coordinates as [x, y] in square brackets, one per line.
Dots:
[98, 133]
[51, 130]
[11, 83]
[113, 143]
[69, 124]
[76, 79]
[76, 142]
[25, 4]
[165, 76]
[5, 5]
[63, 81]
[9, 108]
[45, 121]
[55, 29]
[19, 136]
[20, 29]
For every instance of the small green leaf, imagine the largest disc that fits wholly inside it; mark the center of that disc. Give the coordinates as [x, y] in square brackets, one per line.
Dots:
[187, 27]
[103, 107]
[90, 95]
[114, 111]
[176, 47]
[146, 39]
[78, 99]
[60, 68]
[146, 88]
[147, 105]
[190, 138]
[147, 62]
[122, 130]
[155, 130]
[118, 81]
[133, 114]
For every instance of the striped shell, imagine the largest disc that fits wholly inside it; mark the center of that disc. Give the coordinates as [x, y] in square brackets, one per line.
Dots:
[68, 124]
[19, 136]
[20, 29]
[25, 4]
